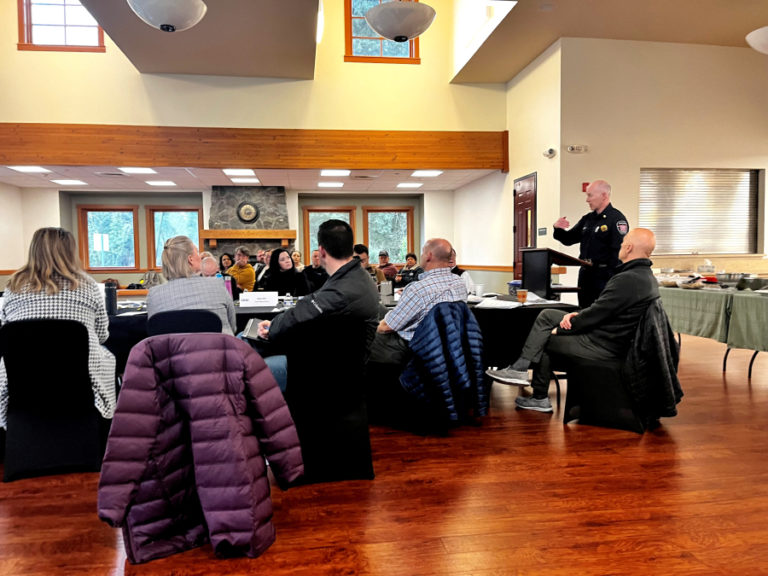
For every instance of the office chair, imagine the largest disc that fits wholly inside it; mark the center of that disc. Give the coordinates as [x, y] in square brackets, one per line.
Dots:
[182, 321]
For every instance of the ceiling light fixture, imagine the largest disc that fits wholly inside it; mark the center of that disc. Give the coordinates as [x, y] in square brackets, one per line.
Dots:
[401, 20]
[251, 180]
[238, 172]
[330, 184]
[410, 185]
[426, 173]
[137, 170]
[69, 182]
[160, 183]
[30, 169]
[169, 16]
[758, 39]
[335, 173]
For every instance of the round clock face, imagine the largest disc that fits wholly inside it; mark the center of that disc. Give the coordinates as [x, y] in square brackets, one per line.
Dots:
[247, 211]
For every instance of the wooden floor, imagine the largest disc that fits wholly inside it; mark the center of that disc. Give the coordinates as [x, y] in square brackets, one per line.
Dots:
[522, 494]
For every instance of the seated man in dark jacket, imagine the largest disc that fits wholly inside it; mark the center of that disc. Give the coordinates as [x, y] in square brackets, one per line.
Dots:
[603, 331]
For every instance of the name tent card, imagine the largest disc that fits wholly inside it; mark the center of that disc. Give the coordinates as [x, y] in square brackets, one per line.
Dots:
[258, 299]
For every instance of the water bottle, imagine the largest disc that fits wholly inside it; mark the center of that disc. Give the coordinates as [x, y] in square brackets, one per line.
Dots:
[110, 297]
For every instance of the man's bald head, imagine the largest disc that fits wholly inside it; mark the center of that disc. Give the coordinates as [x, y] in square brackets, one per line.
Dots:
[598, 195]
[436, 253]
[638, 243]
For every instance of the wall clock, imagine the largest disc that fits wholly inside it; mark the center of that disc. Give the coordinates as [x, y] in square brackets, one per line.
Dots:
[247, 212]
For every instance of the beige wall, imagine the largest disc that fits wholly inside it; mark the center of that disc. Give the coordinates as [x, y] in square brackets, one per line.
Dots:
[105, 88]
[11, 228]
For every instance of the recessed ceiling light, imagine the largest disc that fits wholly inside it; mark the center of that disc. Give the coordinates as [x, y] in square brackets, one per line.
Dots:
[160, 183]
[30, 169]
[70, 182]
[245, 180]
[330, 184]
[410, 185]
[426, 173]
[335, 173]
[238, 172]
[137, 170]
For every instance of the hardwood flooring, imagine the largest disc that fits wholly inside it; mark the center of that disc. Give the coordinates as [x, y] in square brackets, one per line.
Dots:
[522, 494]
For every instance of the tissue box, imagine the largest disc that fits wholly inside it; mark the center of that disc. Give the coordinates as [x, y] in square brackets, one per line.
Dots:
[706, 269]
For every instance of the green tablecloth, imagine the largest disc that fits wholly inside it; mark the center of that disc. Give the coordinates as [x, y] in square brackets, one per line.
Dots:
[749, 319]
[698, 312]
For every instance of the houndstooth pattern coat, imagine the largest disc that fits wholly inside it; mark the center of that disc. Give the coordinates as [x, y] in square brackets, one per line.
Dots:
[84, 305]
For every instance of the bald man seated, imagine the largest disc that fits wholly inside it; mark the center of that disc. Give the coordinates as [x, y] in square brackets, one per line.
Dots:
[603, 331]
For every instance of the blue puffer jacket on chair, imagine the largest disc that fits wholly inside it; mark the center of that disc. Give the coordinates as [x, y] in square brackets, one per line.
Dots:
[447, 367]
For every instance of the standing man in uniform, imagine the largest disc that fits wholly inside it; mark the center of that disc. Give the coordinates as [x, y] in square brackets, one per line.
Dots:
[600, 233]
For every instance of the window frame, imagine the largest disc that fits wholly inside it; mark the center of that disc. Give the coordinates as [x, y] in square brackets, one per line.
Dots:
[414, 58]
[306, 210]
[25, 35]
[409, 219]
[150, 215]
[83, 235]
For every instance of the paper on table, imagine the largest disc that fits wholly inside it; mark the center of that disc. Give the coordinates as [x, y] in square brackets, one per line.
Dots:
[496, 303]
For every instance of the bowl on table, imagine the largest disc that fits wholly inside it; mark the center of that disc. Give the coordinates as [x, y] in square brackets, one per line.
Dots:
[729, 278]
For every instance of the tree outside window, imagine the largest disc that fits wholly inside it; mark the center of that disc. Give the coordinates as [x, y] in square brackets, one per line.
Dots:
[108, 238]
[165, 223]
[389, 229]
[313, 217]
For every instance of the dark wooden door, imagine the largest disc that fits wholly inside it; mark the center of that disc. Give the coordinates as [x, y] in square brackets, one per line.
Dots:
[525, 219]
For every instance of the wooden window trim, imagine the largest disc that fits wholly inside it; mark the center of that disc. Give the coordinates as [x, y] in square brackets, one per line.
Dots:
[349, 57]
[409, 209]
[82, 235]
[305, 212]
[150, 215]
[25, 35]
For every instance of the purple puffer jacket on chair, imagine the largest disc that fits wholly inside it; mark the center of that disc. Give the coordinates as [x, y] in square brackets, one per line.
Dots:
[185, 460]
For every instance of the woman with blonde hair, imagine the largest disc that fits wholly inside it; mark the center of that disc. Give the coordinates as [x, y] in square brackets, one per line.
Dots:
[186, 289]
[52, 285]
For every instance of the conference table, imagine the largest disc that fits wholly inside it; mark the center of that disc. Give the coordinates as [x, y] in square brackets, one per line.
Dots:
[735, 318]
[504, 329]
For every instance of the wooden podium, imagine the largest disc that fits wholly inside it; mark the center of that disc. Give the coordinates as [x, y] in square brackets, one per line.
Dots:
[537, 271]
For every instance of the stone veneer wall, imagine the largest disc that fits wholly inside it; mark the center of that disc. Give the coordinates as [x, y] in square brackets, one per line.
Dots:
[273, 215]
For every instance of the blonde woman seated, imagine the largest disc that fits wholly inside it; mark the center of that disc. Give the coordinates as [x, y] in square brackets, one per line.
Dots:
[186, 289]
[53, 286]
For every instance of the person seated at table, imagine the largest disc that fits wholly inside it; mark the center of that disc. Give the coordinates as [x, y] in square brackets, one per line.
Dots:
[186, 289]
[315, 274]
[408, 273]
[463, 274]
[296, 257]
[361, 251]
[225, 262]
[242, 271]
[282, 276]
[387, 268]
[437, 284]
[601, 332]
[53, 286]
[208, 266]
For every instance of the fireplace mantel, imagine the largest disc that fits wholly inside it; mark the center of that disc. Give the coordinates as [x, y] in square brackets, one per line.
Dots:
[286, 237]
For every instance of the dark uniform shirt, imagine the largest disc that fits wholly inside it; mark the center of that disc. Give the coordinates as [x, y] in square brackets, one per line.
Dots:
[600, 237]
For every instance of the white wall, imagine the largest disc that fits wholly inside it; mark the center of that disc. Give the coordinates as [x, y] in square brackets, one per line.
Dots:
[40, 207]
[473, 23]
[438, 216]
[13, 253]
[658, 105]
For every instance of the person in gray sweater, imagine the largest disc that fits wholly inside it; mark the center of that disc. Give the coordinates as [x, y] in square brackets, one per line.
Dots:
[603, 331]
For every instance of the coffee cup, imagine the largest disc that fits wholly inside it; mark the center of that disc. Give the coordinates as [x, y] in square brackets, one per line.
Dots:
[522, 295]
[479, 289]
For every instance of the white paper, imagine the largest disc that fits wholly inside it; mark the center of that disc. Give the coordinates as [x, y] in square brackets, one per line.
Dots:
[258, 299]
[496, 303]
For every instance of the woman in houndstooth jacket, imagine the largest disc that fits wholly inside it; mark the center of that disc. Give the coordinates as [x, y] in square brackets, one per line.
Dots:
[52, 285]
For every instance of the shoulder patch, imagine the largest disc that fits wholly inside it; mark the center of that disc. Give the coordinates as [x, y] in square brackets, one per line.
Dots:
[622, 227]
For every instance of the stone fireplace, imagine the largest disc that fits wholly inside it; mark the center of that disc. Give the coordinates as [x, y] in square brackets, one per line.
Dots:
[226, 231]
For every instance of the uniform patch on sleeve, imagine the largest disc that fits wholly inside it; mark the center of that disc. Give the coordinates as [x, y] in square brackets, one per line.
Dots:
[622, 227]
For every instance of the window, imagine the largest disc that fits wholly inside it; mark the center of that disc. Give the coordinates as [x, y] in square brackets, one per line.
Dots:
[700, 211]
[389, 229]
[365, 45]
[164, 222]
[108, 237]
[63, 25]
[313, 217]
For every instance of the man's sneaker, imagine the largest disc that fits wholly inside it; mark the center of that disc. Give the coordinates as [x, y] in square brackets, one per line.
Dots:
[531, 403]
[509, 376]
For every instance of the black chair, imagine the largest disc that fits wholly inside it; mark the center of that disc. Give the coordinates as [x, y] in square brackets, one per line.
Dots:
[52, 424]
[327, 399]
[182, 321]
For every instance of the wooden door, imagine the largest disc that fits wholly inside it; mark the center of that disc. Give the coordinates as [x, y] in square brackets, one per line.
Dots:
[525, 219]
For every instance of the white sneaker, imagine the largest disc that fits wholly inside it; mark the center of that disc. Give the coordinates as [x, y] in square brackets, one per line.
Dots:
[509, 376]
